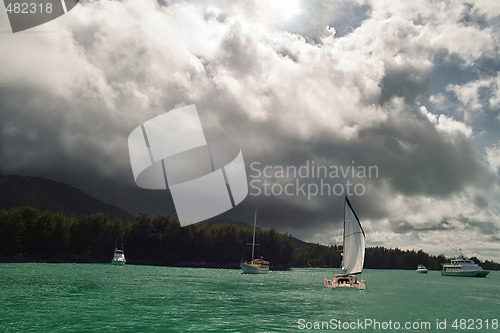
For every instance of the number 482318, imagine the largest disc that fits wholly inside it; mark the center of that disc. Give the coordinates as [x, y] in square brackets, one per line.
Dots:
[29, 8]
[475, 324]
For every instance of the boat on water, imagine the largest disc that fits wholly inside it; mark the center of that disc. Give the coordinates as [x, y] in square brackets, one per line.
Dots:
[254, 266]
[422, 269]
[353, 256]
[463, 267]
[119, 256]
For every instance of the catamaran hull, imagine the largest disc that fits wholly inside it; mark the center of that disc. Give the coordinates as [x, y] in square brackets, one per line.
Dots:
[249, 269]
[360, 286]
[466, 274]
[344, 281]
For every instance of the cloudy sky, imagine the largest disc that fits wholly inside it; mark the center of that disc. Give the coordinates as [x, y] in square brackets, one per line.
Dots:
[411, 88]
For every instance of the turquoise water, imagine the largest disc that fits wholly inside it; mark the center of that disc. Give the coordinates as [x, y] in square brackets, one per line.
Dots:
[106, 298]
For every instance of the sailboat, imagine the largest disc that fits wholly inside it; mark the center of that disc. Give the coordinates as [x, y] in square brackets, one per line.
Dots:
[353, 252]
[119, 256]
[255, 266]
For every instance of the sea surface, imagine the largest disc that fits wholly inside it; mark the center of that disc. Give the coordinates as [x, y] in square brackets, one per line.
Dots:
[38, 297]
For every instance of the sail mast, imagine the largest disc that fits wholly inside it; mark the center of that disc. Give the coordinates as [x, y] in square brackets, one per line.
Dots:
[343, 237]
[253, 240]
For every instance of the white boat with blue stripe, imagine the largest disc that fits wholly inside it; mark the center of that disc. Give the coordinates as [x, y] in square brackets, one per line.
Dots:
[463, 267]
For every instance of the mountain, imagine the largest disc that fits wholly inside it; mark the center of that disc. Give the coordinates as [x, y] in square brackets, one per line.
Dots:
[47, 194]
[298, 243]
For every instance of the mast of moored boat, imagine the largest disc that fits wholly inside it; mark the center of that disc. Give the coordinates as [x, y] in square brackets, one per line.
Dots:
[253, 240]
[343, 239]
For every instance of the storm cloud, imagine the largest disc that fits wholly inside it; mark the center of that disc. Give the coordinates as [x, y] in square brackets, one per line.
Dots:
[411, 88]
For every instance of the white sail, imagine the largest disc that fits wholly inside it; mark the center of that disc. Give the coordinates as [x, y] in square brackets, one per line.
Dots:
[354, 242]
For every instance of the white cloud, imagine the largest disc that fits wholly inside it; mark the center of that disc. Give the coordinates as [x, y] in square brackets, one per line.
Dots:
[493, 157]
[446, 124]
[479, 95]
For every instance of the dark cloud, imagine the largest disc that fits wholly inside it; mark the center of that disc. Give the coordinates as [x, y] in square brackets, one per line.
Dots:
[287, 92]
[407, 82]
[417, 158]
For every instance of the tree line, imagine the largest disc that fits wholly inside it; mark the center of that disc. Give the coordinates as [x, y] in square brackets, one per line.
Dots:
[316, 255]
[27, 232]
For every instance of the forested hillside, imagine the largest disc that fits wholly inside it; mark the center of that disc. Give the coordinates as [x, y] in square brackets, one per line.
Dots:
[29, 232]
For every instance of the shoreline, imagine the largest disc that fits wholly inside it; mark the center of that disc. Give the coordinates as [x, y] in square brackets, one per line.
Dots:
[187, 264]
[89, 260]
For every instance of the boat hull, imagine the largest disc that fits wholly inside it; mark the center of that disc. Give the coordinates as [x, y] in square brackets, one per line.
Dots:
[253, 269]
[118, 262]
[344, 281]
[422, 271]
[466, 273]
